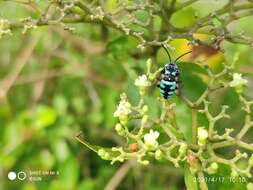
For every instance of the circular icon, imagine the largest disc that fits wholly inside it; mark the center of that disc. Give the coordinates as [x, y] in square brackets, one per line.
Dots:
[12, 175]
[21, 175]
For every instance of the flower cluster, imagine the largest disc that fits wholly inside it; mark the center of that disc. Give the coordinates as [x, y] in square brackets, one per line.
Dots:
[4, 27]
[123, 109]
[238, 82]
[143, 83]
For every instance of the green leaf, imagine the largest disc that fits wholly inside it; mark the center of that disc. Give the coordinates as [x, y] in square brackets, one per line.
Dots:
[110, 5]
[60, 149]
[190, 74]
[177, 133]
[69, 173]
[183, 18]
[60, 104]
[183, 119]
[87, 184]
[141, 15]
[118, 48]
[157, 22]
[109, 98]
[78, 104]
[190, 183]
[44, 116]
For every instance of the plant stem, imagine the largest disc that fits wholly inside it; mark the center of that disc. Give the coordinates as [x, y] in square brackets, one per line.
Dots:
[194, 126]
[246, 127]
[202, 183]
[223, 144]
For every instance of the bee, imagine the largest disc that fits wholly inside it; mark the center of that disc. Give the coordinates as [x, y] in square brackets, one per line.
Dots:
[170, 81]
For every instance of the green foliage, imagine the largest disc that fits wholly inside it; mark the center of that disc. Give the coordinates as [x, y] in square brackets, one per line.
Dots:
[178, 19]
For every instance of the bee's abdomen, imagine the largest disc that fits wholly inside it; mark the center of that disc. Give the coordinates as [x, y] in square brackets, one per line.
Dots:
[167, 88]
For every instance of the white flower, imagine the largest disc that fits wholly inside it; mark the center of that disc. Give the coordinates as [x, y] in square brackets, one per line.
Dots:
[202, 133]
[237, 80]
[142, 81]
[124, 107]
[150, 139]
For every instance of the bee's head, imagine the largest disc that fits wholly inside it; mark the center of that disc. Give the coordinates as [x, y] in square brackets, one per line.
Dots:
[171, 66]
[171, 69]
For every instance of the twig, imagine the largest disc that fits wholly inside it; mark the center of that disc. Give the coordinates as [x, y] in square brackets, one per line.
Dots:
[118, 176]
[20, 62]
[194, 125]
[202, 182]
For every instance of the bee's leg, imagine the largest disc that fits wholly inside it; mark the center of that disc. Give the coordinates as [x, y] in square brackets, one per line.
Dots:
[158, 84]
[179, 87]
[158, 79]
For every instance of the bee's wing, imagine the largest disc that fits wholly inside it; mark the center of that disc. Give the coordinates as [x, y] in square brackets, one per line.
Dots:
[179, 86]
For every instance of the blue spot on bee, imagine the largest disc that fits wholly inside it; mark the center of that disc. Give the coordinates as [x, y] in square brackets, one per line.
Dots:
[167, 88]
[167, 82]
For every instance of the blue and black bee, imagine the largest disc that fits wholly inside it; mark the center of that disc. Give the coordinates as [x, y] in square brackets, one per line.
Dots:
[170, 77]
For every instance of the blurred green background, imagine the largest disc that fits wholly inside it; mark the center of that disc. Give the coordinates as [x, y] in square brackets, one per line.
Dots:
[71, 82]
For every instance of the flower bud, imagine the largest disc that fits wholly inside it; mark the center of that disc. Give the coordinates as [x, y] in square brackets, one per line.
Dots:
[120, 130]
[201, 142]
[121, 159]
[234, 173]
[145, 109]
[202, 136]
[182, 149]
[133, 147]
[118, 127]
[114, 149]
[213, 168]
[149, 64]
[101, 152]
[158, 154]
[144, 162]
[123, 119]
[249, 186]
[106, 156]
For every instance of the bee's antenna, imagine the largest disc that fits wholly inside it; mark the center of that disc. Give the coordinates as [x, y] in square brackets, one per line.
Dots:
[167, 52]
[181, 56]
